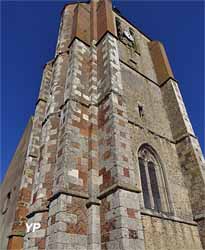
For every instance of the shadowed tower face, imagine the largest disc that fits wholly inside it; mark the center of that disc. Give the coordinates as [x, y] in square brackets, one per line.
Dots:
[109, 160]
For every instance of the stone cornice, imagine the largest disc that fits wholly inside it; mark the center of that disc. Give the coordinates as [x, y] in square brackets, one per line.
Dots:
[69, 193]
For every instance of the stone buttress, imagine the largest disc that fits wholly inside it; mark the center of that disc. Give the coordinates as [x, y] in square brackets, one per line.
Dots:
[85, 193]
[80, 180]
[187, 145]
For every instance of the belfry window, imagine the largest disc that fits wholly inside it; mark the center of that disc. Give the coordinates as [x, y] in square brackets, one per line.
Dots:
[152, 180]
[118, 27]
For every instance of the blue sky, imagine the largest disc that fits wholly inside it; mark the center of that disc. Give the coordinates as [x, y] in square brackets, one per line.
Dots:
[29, 34]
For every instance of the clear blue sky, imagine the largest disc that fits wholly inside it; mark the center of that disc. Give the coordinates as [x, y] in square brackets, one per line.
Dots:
[29, 34]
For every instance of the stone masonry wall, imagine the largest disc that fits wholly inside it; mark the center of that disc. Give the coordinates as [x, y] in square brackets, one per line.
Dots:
[139, 91]
[190, 156]
[165, 234]
[100, 100]
[10, 188]
[119, 227]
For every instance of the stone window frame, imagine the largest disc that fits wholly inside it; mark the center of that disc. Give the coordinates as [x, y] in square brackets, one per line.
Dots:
[148, 154]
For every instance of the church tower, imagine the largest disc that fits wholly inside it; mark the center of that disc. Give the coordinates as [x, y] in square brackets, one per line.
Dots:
[109, 161]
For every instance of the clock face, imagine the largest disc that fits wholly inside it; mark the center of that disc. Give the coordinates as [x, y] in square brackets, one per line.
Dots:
[128, 35]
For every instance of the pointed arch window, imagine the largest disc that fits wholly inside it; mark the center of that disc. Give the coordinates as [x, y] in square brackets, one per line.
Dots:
[152, 180]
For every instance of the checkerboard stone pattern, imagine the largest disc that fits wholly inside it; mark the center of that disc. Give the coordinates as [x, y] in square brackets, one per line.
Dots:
[76, 169]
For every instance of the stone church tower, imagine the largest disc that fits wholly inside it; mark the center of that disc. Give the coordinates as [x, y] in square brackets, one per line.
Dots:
[109, 160]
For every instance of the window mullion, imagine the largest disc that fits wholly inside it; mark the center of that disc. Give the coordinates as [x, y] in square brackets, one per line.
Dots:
[161, 186]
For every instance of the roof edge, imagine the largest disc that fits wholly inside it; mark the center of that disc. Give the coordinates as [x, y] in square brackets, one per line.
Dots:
[72, 3]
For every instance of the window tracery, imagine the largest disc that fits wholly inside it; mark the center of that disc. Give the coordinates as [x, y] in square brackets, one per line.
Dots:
[152, 180]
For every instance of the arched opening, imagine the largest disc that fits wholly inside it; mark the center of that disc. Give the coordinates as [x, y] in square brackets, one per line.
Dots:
[154, 188]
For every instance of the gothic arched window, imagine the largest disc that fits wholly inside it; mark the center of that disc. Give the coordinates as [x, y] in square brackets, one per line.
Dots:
[152, 180]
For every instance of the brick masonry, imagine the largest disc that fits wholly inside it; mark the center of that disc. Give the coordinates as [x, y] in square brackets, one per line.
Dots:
[104, 96]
